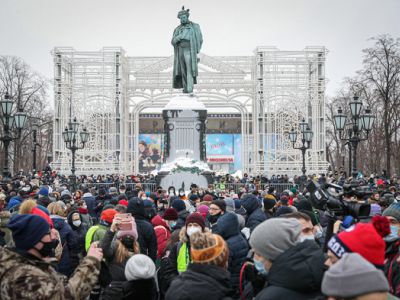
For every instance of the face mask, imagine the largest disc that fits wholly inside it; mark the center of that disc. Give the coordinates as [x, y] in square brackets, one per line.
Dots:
[144, 198]
[260, 267]
[48, 249]
[181, 194]
[318, 234]
[303, 238]
[172, 224]
[213, 218]
[393, 233]
[160, 206]
[192, 229]
[77, 223]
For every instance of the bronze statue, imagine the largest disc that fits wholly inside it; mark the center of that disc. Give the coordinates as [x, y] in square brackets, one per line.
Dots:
[187, 41]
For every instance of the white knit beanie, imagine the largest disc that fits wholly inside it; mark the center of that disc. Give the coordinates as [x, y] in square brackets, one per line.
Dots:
[139, 266]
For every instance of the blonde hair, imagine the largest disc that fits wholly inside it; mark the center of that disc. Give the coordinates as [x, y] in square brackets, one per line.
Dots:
[56, 209]
[122, 253]
[27, 206]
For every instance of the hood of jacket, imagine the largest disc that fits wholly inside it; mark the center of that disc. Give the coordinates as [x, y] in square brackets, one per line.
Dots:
[59, 222]
[300, 268]
[250, 203]
[69, 218]
[136, 207]
[228, 225]
[158, 221]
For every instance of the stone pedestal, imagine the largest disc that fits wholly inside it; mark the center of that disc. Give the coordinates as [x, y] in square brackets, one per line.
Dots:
[184, 147]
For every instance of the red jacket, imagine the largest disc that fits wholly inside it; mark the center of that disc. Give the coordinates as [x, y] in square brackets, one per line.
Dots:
[163, 233]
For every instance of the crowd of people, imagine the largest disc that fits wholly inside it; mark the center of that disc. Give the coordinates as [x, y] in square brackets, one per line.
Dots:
[126, 242]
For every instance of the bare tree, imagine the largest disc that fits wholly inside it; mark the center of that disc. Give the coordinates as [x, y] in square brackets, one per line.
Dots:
[28, 90]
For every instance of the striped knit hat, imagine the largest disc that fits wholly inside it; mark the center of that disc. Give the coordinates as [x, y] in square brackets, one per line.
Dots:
[209, 249]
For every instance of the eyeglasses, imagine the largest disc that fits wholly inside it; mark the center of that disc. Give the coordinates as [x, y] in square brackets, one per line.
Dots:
[214, 209]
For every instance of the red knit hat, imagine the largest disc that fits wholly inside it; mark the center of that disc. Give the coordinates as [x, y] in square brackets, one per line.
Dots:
[170, 214]
[196, 218]
[364, 239]
[208, 198]
[37, 211]
[123, 202]
[108, 215]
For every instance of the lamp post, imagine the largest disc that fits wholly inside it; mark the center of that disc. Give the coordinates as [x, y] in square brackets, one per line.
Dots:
[306, 138]
[358, 128]
[71, 139]
[9, 120]
[35, 129]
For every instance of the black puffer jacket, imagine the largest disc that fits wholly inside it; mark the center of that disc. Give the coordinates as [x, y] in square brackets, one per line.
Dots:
[143, 289]
[295, 274]
[146, 236]
[228, 226]
[180, 223]
[254, 213]
[200, 282]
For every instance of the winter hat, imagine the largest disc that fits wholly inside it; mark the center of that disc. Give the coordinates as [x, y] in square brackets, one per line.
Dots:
[375, 209]
[269, 203]
[208, 198]
[113, 189]
[304, 205]
[364, 239]
[44, 191]
[147, 203]
[274, 236]
[122, 197]
[210, 249]
[193, 197]
[283, 210]
[393, 211]
[132, 232]
[38, 212]
[220, 203]
[87, 195]
[65, 193]
[170, 214]
[123, 202]
[230, 204]
[27, 230]
[139, 266]
[179, 205]
[353, 276]
[108, 215]
[196, 218]
[203, 210]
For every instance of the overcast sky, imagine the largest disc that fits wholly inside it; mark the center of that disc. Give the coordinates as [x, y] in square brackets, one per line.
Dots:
[31, 28]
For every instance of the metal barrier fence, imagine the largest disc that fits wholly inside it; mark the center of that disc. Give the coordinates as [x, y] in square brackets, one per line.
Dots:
[101, 185]
[237, 187]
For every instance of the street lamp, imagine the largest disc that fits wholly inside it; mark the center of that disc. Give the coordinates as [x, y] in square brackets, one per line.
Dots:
[9, 120]
[71, 139]
[35, 129]
[306, 138]
[358, 128]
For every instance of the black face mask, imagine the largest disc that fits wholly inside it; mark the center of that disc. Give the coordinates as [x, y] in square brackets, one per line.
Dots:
[48, 249]
[213, 218]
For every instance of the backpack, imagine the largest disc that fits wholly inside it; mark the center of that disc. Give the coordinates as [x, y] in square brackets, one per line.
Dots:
[89, 236]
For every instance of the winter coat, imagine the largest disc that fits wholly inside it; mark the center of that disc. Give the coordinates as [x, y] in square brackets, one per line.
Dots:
[68, 242]
[143, 289]
[14, 201]
[146, 235]
[295, 274]
[255, 215]
[180, 223]
[79, 234]
[200, 282]
[392, 268]
[163, 234]
[228, 227]
[24, 276]
[91, 204]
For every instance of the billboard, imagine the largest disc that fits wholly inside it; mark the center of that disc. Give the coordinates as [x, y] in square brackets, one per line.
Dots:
[225, 149]
[219, 144]
[150, 149]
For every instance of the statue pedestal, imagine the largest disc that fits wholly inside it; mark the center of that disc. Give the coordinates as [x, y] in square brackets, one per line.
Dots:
[184, 148]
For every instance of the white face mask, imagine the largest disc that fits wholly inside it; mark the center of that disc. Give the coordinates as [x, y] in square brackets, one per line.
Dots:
[192, 229]
[77, 223]
[303, 238]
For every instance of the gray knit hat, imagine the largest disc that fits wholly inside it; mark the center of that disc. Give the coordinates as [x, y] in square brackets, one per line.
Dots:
[353, 276]
[230, 204]
[393, 211]
[274, 236]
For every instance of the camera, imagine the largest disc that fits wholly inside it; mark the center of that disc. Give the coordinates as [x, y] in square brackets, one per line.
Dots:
[322, 199]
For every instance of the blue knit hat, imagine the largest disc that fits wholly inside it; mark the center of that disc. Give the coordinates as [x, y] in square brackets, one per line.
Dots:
[28, 230]
[392, 211]
[43, 191]
[179, 205]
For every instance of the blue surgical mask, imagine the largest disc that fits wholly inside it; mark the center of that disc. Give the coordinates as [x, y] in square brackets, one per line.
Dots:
[394, 233]
[260, 267]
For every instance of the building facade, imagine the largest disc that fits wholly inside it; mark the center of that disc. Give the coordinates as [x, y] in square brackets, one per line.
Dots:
[255, 99]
